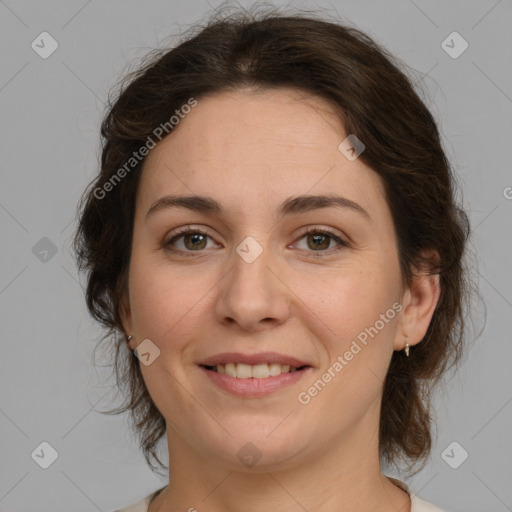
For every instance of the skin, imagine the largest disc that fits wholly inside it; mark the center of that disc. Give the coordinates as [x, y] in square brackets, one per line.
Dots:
[250, 151]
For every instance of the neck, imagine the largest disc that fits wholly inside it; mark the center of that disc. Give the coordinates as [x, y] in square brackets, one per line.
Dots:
[342, 475]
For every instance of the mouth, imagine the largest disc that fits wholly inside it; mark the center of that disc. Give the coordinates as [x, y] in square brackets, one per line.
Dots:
[254, 375]
[257, 371]
[254, 381]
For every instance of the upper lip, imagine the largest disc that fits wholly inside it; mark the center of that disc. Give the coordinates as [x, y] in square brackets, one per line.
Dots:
[253, 359]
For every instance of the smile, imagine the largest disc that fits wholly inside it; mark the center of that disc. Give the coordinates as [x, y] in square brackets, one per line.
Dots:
[257, 371]
[242, 379]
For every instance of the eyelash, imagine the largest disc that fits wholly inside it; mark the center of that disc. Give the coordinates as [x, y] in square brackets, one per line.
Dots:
[316, 254]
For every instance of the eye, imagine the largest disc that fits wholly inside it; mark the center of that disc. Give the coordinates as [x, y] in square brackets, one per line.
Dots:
[318, 240]
[194, 240]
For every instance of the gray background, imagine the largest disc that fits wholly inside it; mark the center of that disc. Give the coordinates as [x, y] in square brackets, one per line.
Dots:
[49, 146]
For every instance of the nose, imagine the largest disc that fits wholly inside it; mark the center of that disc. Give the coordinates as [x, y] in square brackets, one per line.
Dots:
[253, 295]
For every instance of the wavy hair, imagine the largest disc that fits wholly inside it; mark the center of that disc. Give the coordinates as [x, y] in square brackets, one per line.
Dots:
[376, 101]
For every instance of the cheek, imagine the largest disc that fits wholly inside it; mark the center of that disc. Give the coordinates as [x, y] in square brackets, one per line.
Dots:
[168, 302]
[356, 340]
[351, 299]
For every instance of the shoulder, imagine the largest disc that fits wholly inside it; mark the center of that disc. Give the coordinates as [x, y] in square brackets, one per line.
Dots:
[417, 504]
[140, 506]
[420, 505]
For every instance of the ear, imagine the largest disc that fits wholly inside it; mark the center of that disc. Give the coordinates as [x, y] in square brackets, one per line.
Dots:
[419, 303]
[126, 317]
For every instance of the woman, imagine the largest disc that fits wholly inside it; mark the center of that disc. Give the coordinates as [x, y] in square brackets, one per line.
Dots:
[273, 244]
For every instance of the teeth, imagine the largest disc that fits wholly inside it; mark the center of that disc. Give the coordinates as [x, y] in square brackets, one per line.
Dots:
[274, 369]
[257, 371]
[230, 369]
[243, 371]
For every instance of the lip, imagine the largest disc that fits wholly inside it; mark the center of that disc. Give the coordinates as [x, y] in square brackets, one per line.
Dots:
[253, 359]
[251, 387]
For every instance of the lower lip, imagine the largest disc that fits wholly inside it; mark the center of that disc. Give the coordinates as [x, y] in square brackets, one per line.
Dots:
[254, 387]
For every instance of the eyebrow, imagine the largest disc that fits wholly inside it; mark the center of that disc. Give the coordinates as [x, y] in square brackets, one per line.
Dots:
[292, 205]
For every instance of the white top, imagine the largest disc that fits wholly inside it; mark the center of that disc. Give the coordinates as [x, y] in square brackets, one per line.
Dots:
[417, 504]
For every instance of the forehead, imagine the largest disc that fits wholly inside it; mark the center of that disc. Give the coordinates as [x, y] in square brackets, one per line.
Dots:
[251, 148]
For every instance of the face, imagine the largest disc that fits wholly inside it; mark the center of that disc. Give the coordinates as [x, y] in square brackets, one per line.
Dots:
[250, 282]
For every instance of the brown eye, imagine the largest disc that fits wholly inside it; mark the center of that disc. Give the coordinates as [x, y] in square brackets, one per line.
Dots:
[193, 241]
[319, 240]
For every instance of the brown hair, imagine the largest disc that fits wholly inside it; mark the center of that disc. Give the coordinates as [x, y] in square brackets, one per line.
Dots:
[377, 103]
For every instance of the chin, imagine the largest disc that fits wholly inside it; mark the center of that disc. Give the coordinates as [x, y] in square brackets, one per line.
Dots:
[260, 450]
